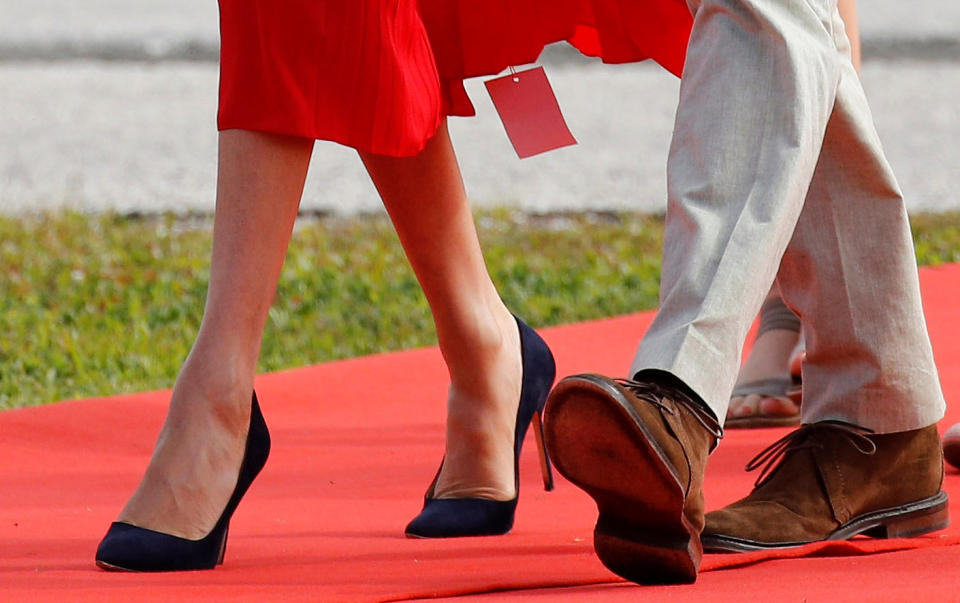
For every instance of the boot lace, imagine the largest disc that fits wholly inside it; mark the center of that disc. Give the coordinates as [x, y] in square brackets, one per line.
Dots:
[656, 394]
[808, 436]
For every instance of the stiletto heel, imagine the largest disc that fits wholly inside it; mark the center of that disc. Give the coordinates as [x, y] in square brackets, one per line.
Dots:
[223, 545]
[127, 547]
[453, 517]
[545, 469]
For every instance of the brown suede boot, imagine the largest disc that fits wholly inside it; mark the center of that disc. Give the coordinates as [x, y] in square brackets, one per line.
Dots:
[640, 450]
[832, 481]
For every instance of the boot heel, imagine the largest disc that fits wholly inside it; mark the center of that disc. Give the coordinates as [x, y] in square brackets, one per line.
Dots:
[545, 468]
[926, 516]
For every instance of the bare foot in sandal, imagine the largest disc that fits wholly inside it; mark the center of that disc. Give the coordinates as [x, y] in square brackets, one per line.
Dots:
[761, 397]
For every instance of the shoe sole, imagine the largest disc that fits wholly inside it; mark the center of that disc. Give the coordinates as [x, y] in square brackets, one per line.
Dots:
[761, 421]
[597, 441]
[112, 568]
[905, 521]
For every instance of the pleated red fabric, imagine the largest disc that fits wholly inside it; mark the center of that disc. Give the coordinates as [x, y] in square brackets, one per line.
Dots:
[473, 38]
[357, 72]
[379, 75]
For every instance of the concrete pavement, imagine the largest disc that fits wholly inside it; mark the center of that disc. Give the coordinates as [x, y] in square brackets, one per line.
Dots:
[135, 129]
[172, 27]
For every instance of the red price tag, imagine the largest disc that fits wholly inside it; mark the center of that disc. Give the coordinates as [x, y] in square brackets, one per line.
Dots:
[529, 111]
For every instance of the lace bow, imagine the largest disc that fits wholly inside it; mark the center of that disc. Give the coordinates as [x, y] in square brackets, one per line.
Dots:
[770, 457]
[653, 393]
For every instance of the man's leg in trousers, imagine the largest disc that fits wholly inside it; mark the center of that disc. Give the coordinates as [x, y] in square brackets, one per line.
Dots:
[850, 271]
[756, 95]
[867, 460]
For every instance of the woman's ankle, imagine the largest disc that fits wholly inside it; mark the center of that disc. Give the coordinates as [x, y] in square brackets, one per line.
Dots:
[483, 352]
[224, 389]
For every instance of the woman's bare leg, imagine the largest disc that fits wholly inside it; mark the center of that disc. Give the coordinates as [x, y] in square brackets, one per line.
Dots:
[478, 336]
[197, 458]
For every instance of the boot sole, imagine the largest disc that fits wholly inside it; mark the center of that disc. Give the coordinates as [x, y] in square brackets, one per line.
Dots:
[905, 521]
[597, 441]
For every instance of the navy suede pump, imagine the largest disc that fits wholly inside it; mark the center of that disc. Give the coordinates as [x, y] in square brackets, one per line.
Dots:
[130, 548]
[454, 517]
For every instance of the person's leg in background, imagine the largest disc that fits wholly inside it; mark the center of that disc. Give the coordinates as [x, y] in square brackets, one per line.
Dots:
[762, 396]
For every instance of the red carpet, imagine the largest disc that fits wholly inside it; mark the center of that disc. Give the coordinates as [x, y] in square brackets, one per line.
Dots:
[355, 444]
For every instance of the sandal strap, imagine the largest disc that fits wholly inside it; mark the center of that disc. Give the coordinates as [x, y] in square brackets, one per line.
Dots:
[773, 387]
[776, 315]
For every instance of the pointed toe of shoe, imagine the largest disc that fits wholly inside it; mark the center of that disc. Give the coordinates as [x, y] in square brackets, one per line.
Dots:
[458, 517]
[132, 549]
[125, 548]
[118, 548]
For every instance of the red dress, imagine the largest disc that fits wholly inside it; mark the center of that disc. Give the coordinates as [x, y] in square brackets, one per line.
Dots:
[366, 74]
[483, 37]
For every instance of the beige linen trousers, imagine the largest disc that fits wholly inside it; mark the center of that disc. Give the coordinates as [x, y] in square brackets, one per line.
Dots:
[775, 156]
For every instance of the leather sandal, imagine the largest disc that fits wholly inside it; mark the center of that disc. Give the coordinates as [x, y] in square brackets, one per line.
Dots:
[787, 388]
[774, 315]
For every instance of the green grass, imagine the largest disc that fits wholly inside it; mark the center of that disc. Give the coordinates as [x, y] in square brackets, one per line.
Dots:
[94, 305]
